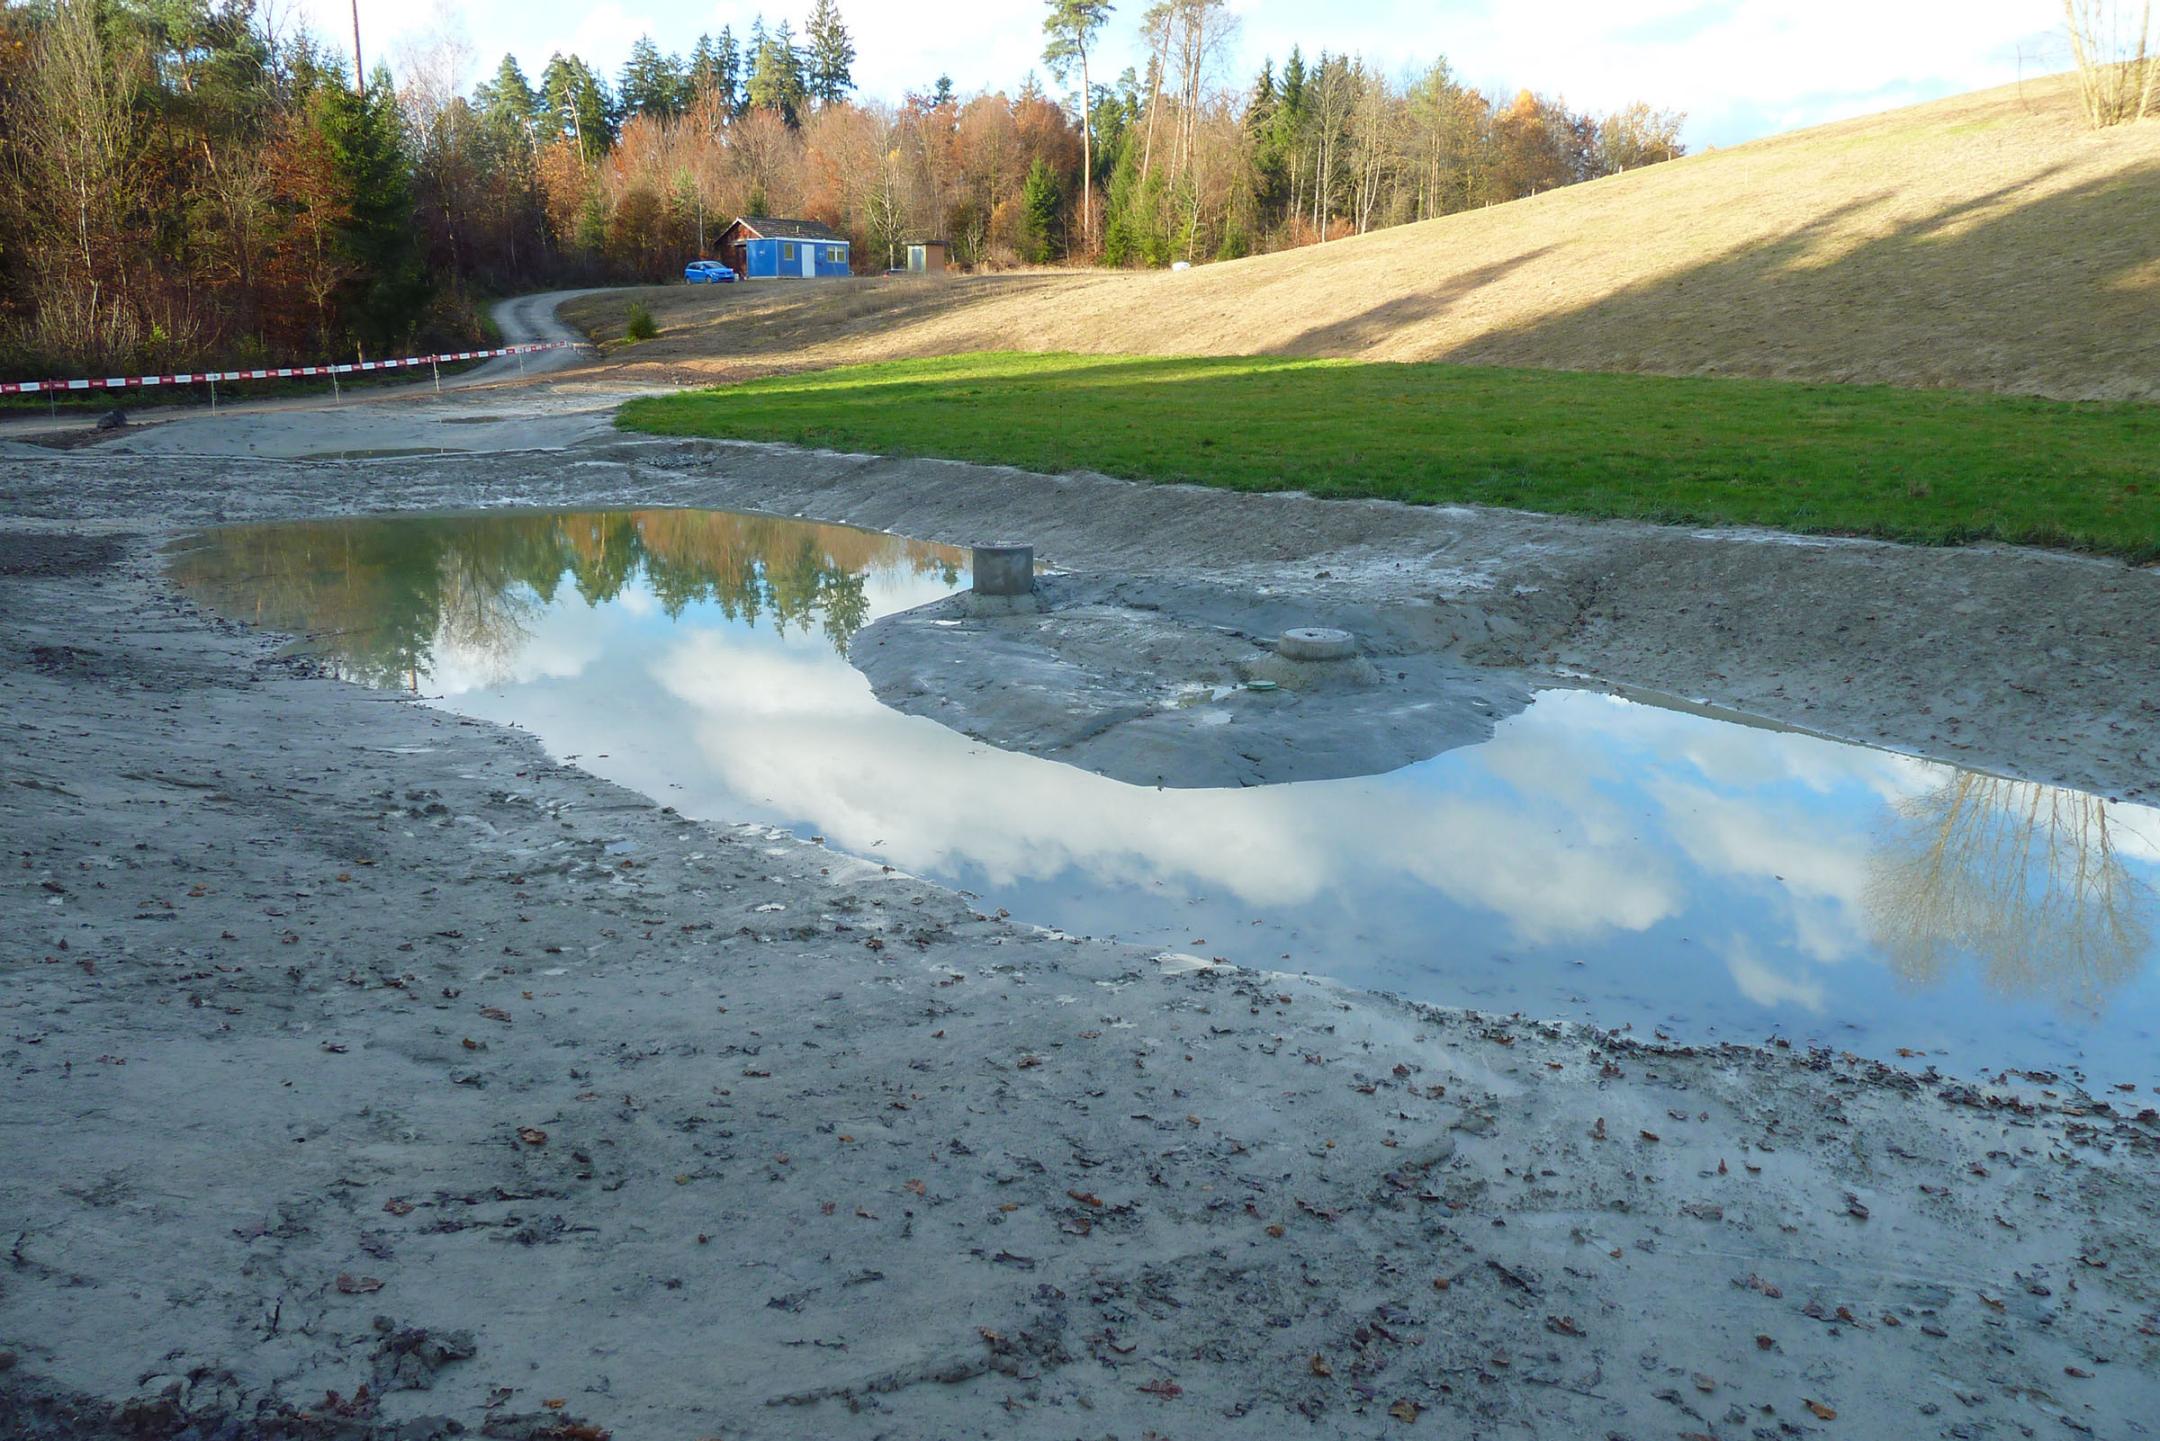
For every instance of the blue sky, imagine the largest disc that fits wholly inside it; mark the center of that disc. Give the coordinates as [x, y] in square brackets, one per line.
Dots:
[1739, 68]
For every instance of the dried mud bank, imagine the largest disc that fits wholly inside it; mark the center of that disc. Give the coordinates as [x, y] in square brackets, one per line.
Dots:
[370, 1075]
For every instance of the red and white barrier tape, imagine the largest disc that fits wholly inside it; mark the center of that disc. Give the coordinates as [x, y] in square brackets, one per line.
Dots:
[287, 372]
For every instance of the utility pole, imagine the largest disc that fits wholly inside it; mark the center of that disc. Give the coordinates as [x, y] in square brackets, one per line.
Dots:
[359, 71]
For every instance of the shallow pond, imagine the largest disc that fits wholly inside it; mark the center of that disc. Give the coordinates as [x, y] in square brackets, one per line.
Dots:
[1598, 859]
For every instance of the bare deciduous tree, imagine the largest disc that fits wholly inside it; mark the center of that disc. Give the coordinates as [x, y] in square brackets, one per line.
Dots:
[2118, 65]
[79, 146]
[2022, 878]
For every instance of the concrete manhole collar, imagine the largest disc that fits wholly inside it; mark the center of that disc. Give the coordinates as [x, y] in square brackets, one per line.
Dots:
[1316, 643]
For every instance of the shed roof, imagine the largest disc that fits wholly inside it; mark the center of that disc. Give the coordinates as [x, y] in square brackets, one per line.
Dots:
[773, 227]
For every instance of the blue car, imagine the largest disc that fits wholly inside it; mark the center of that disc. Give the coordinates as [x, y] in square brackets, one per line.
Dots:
[708, 272]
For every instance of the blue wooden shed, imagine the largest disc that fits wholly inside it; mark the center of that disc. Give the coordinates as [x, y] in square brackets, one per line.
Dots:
[764, 247]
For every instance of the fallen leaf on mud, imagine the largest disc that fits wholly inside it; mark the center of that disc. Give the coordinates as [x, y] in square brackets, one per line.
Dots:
[556, 1403]
[1822, 1412]
[398, 1207]
[1077, 1226]
[532, 1135]
[1163, 1387]
[1562, 1326]
[495, 1013]
[1319, 1366]
[1404, 1411]
[2080, 1374]
[1520, 1280]
[1854, 1208]
[1276, 1231]
[916, 1186]
[352, 1285]
[1704, 1384]
[1764, 1343]
[1086, 1198]
[1440, 1283]
[1648, 1135]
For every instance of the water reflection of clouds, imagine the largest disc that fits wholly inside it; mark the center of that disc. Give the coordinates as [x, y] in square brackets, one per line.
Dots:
[810, 738]
[1632, 862]
[1585, 818]
[559, 646]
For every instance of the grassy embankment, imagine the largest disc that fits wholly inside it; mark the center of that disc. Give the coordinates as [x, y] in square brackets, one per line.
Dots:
[1928, 466]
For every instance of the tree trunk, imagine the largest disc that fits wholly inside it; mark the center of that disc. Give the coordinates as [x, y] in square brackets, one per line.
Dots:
[1087, 156]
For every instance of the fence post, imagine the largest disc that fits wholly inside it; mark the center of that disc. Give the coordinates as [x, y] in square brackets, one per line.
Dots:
[431, 362]
[213, 392]
[337, 392]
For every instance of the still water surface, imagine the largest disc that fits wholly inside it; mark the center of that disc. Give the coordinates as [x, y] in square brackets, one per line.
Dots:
[1598, 859]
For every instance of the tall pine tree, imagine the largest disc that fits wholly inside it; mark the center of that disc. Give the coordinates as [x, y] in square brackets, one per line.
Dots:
[574, 105]
[1072, 26]
[776, 75]
[1039, 201]
[383, 303]
[652, 83]
[831, 55]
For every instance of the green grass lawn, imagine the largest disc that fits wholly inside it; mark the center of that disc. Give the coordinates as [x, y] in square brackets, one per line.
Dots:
[1928, 466]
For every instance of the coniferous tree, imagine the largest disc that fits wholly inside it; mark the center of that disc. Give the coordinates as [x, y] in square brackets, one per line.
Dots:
[727, 71]
[831, 55]
[1072, 26]
[776, 76]
[388, 291]
[506, 103]
[1039, 201]
[652, 83]
[575, 106]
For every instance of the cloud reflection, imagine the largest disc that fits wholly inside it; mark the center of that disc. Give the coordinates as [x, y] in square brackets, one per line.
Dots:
[1636, 861]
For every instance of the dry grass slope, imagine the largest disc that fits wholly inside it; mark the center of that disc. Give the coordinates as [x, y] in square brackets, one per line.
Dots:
[1988, 242]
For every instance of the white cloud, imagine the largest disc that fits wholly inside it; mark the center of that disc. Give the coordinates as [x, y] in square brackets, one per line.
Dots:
[1764, 986]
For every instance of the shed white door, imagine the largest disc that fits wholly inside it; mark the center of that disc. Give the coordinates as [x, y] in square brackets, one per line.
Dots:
[809, 262]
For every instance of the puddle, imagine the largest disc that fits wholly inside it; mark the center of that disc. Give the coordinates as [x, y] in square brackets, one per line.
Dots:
[1600, 858]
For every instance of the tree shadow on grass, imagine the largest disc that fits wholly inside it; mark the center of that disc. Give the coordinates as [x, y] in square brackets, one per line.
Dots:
[2021, 290]
[1390, 318]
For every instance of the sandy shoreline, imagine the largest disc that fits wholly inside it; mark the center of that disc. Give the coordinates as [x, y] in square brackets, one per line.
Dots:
[355, 989]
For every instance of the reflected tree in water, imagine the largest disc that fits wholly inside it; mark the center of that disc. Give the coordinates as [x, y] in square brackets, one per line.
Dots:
[485, 621]
[379, 598]
[2025, 878]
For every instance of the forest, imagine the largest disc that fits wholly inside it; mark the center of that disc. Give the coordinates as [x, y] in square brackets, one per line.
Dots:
[191, 182]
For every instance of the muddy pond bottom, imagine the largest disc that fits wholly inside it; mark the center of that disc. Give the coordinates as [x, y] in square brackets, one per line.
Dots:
[1597, 859]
